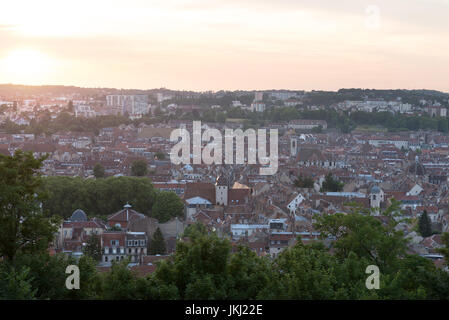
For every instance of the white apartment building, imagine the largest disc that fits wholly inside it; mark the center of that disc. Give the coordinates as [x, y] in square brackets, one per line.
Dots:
[134, 105]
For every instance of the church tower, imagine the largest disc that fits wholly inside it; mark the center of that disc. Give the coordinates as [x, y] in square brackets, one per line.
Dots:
[376, 197]
[293, 147]
[221, 190]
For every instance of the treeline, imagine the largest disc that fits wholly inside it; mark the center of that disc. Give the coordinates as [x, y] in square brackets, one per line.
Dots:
[65, 122]
[400, 122]
[102, 197]
[205, 268]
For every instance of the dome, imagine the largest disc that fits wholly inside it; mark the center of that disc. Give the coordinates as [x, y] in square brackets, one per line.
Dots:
[78, 215]
[375, 189]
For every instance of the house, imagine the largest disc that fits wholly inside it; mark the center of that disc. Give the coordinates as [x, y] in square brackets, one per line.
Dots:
[294, 202]
[122, 218]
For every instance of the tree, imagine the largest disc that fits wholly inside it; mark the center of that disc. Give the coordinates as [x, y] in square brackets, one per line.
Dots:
[445, 251]
[331, 184]
[70, 107]
[157, 243]
[15, 284]
[139, 168]
[23, 225]
[424, 225]
[366, 236]
[304, 182]
[93, 247]
[99, 196]
[99, 171]
[159, 155]
[198, 268]
[167, 206]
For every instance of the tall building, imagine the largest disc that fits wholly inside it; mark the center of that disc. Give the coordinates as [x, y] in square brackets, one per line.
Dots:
[136, 104]
[258, 96]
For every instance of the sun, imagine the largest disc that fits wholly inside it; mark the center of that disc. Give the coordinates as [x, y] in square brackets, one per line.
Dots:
[26, 66]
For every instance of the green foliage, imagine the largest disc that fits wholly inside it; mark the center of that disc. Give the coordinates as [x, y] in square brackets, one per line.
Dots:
[157, 243]
[47, 273]
[196, 229]
[159, 155]
[424, 225]
[15, 284]
[365, 236]
[304, 182]
[23, 225]
[119, 283]
[139, 168]
[99, 197]
[445, 250]
[166, 206]
[93, 247]
[331, 185]
[99, 171]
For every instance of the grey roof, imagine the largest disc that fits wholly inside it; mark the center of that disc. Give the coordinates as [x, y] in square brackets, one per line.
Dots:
[78, 215]
[375, 189]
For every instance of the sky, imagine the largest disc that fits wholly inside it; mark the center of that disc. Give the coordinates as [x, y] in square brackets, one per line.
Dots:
[226, 44]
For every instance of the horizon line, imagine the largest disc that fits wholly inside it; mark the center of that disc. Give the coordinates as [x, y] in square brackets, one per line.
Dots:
[219, 90]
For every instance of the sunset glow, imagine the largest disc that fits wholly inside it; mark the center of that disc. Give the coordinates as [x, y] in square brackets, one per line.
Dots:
[212, 45]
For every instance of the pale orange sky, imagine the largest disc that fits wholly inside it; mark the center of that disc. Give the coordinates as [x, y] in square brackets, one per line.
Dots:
[226, 44]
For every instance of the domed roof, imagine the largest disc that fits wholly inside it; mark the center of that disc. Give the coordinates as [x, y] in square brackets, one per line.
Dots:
[375, 189]
[78, 215]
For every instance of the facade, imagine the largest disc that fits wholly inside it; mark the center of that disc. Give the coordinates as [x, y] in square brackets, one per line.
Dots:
[120, 245]
[258, 106]
[397, 142]
[304, 124]
[134, 105]
[113, 245]
[136, 246]
[84, 111]
[221, 191]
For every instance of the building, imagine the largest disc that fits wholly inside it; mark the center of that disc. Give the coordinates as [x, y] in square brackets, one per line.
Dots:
[258, 106]
[304, 124]
[221, 190]
[133, 105]
[84, 111]
[136, 246]
[436, 111]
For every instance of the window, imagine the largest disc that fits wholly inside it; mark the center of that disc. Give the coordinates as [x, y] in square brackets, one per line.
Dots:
[106, 250]
[106, 259]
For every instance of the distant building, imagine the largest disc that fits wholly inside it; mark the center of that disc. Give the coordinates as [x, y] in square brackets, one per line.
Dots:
[304, 124]
[134, 105]
[436, 111]
[258, 106]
